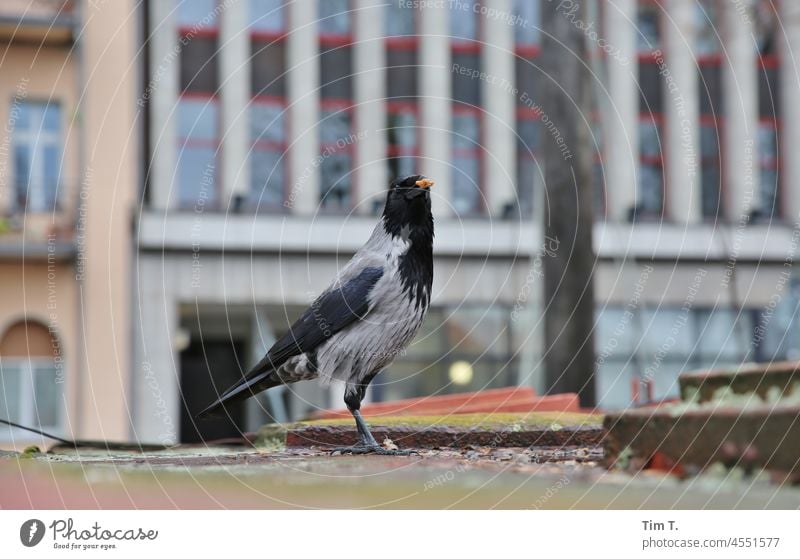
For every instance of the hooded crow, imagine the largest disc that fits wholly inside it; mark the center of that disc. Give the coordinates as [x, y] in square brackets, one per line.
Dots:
[369, 314]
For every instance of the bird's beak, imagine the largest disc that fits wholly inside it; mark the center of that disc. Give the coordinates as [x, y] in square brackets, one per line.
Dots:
[424, 183]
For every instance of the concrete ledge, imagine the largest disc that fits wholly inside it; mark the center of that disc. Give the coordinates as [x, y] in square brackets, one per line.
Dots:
[319, 234]
[217, 231]
[768, 380]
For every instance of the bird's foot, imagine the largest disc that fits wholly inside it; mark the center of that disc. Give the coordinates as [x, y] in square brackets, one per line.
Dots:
[371, 449]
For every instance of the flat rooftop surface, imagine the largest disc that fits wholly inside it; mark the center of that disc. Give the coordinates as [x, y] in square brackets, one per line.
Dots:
[470, 478]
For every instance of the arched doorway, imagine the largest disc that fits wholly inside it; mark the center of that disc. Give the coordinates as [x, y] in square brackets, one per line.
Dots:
[31, 378]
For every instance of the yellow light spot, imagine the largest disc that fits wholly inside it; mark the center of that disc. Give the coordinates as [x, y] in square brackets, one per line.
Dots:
[461, 373]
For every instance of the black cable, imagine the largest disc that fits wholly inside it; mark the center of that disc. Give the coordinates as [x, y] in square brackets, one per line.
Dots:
[98, 445]
[38, 432]
[102, 445]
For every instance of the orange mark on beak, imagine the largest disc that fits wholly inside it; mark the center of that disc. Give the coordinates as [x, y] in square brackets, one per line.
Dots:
[424, 183]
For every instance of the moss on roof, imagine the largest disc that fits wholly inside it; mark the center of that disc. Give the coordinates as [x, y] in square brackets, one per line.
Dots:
[466, 420]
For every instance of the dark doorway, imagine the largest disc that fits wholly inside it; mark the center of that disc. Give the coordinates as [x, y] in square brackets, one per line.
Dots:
[208, 368]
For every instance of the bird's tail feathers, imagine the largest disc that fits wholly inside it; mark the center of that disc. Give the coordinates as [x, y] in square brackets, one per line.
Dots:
[246, 387]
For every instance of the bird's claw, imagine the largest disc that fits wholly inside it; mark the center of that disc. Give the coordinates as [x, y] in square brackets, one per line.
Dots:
[371, 449]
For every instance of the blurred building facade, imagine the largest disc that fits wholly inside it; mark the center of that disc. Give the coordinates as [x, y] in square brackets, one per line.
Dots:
[260, 137]
[274, 131]
[68, 178]
[275, 128]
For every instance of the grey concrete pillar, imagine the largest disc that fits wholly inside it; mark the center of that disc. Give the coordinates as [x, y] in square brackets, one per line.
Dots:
[682, 114]
[302, 53]
[499, 141]
[620, 113]
[162, 94]
[740, 106]
[234, 67]
[436, 110]
[369, 68]
[789, 40]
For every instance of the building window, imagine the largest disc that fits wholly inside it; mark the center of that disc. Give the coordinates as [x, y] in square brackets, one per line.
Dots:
[403, 139]
[401, 91]
[768, 167]
[268, 107]
[650, 86]
[267, 17]
[527, 49]
[778, 330]
[466, 162]
[268, 141]
[527, 18]
[706, 28]
[699, 338]
[198, 106]
[399, 19]
[649, 43]
[199, 71]
[463, 22]
[768, 203]
[710, 165]
[336, 157]
[647, 26]
[466, 89]
[198, 147]
[529, 172]
[765, 19]
[476, 339]
[710, 85]
[768, 100]
[30, 379]
[334, 18]
[268, 67]
[709, 60]
[336, 93]
[198, 14]
[651, 171]
[466, 126]
[37, 154]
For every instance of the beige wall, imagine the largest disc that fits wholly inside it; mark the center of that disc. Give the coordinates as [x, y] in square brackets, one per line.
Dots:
[111, 154]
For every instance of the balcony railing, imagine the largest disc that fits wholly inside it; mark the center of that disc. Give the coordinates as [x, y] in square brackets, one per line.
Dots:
[38, 21]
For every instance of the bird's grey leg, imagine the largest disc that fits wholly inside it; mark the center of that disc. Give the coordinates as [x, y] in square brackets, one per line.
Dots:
[363, 430]
[367, 443]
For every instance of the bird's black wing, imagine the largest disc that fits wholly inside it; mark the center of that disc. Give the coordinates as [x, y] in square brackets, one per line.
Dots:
[328, 314]
[331, 312]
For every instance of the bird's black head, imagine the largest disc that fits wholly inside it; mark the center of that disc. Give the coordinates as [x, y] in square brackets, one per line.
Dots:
[408, 207]
[408, 215]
